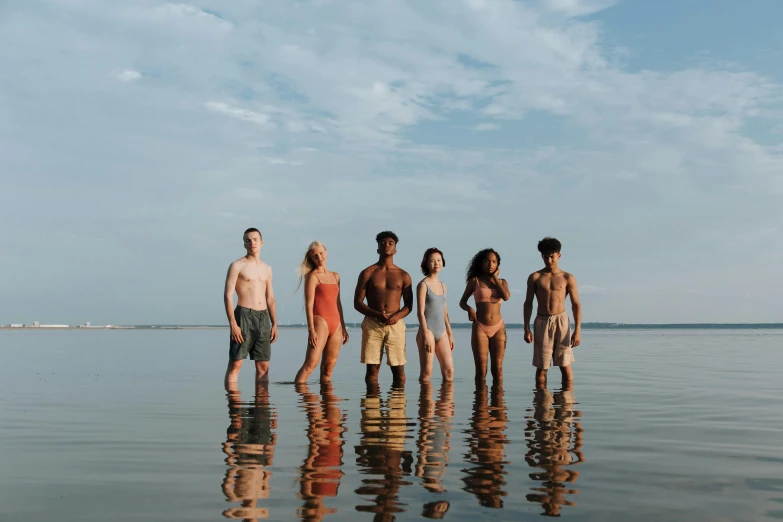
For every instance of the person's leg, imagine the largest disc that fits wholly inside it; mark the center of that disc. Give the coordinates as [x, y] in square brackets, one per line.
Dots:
[331, 352]
[313, 355]
[425, 358]
[372, 346]
[262, 372]
[232, 372]
[540, 377]
[398, 375]
[480, 345]
[371, 375]
[445, 360]
[568, 375]
[497, 350]
[395, 352]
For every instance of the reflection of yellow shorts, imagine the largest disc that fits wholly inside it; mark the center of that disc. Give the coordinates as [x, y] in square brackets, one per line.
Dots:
[376, 336]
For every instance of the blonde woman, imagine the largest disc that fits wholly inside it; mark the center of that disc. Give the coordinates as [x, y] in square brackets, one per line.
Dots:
[325, 322]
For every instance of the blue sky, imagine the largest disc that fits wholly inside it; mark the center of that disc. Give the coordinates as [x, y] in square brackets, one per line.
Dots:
[139, 139]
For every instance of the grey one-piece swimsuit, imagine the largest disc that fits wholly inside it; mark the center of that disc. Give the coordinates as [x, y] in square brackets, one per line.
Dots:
[433, 312]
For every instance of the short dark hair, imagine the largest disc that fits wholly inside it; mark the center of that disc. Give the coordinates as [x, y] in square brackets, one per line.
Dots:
[549, 245]
[425, 261]
[386, 234]
[251, 229]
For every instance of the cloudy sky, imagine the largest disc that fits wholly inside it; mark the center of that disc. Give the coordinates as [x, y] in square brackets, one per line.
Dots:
[138, 139]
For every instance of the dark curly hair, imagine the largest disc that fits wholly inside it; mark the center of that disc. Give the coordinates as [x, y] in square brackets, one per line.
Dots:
[549, 245]
[474, 267]
[385, 234]
[425, 261]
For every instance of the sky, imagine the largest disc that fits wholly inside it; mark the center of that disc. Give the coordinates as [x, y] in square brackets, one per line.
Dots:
[139, 139]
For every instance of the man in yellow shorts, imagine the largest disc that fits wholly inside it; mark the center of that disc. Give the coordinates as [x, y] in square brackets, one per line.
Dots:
[383, 284]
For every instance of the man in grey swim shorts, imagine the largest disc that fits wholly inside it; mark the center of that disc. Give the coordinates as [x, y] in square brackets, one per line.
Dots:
[254, 321]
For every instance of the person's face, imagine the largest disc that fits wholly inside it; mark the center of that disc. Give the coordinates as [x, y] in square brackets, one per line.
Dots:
[318, 256]
[551, 260]
[490, 263]
[252, 242]
[435, 263]
[387, 246]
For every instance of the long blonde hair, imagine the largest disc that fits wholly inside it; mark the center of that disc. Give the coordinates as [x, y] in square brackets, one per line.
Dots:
[307, 266]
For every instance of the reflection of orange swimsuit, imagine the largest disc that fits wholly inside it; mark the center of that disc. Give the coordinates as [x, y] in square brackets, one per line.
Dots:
[487, 295]
[325, 304]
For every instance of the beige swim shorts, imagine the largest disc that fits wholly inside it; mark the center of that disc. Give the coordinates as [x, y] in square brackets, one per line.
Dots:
[552, 341]
[377, 336]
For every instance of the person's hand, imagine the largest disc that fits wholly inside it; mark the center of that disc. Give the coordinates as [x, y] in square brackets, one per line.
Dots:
[392, 319]
[528, 336]
[236, 334]
[312, 338]
[451, 343]
[345, 335]
[382, 317]
[429, 342]
[576, 338]
[471, 315]
[273, 337]
[496, 276]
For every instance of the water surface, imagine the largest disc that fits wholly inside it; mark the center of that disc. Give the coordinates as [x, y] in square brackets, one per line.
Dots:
[136, 425]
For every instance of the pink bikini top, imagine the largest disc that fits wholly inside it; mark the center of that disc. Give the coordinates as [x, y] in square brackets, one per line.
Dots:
[486, 295]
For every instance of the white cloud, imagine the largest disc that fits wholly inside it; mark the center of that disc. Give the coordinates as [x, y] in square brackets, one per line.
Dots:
[258, 118]
[486, 127]
[126, 75]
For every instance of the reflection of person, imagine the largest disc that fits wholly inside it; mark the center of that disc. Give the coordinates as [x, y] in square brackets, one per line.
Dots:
[554, 441]
[553, 340]
[433, 443]
[321, 470]
[383, 284]
[324, 310]
[434, 336]
[486, 447]
[249, 448]
[381, 455]
[253, 322]
[488, 338]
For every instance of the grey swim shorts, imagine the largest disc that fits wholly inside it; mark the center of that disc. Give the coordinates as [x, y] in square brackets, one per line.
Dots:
[257, 335]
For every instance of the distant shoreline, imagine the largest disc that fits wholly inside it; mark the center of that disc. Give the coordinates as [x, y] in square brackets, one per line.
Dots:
[510, 326]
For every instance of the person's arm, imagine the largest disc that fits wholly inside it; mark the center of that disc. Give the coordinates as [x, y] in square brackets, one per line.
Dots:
[228, 301]
[421, 299]
[340, 309]
[407, 300]
[272, 306]
[309, 296]
[358, 298]
[463, 303]
[576, 308]
[528, 307]
[448, 321]
[501, 285]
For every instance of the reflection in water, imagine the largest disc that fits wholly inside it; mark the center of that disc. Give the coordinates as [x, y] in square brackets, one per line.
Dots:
[321, 470]
[433, 442]
[554, 441]
[249, 449]
[486, 444]
[382, 458]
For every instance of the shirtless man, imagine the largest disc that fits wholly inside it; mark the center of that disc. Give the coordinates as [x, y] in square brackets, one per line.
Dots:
[254, 321]
[383, 284]
[553, 338]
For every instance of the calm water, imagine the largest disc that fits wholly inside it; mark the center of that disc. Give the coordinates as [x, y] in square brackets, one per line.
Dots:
[136, 425]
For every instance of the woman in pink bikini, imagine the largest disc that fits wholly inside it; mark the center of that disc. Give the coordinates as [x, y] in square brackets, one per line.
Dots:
[489, 333]
[325, 323]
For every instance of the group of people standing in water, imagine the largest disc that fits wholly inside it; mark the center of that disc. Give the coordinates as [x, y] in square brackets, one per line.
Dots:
[384, 296]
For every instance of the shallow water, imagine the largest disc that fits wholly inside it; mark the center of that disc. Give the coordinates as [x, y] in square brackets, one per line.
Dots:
[136, 425]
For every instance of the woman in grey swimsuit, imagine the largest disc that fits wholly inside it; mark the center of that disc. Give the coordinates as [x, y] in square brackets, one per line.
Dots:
[434, 336]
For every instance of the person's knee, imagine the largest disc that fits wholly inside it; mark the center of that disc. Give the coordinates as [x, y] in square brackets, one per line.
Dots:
[448, 373]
